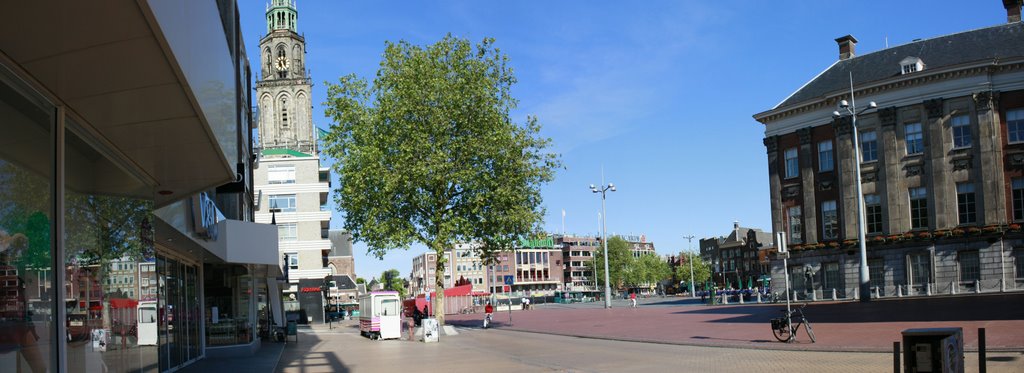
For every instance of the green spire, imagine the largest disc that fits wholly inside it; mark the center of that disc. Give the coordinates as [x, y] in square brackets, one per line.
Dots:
[281, 15]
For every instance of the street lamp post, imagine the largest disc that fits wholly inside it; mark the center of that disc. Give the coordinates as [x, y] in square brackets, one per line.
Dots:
[689, 247]
[604, 238]
[851, 110]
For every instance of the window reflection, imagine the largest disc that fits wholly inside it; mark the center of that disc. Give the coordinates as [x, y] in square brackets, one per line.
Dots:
[26, 275]
[108, 265]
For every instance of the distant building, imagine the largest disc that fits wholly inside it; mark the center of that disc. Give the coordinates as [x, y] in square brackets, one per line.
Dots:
[535, 266]
[941, 159]
[342, 267]
[577, 251]
[734, 258]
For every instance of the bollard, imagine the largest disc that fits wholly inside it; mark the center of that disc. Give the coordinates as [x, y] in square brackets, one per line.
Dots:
[759, 297]
[741, 297]
[814, 295]
[977, 286]
[952, 287]
[875, 291]
[1002, 285]
[982, 364]
[412, 330]
[856, 293]
[899, 291]
[794, 295]
[725, 298]
[833, 293]
[896, 357]
[928, 289]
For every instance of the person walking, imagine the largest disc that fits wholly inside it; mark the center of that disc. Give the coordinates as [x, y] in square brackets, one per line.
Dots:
[632, 298]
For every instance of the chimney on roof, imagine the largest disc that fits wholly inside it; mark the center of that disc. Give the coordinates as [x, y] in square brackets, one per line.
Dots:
[846, 45]
[1012, 10]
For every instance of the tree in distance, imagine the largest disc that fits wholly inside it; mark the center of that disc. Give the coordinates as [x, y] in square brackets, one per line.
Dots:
[625, 270]
[701, 270]
[429, 154]
[619, 258]
[392, 280]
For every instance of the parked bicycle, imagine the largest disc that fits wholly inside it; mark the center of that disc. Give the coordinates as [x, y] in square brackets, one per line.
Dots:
[785, 328]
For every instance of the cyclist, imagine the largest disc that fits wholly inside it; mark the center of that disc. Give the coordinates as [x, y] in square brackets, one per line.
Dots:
[488, 310]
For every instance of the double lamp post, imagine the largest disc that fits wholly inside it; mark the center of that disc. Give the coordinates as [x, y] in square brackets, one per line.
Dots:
[604, 239]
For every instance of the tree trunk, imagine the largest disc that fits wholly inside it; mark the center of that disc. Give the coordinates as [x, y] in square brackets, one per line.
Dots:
[439, 286]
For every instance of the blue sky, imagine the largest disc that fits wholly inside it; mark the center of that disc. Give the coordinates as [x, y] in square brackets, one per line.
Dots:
[658, 93]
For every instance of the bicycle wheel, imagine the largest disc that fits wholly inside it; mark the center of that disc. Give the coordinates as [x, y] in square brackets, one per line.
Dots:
[810, 331]
[781, 331]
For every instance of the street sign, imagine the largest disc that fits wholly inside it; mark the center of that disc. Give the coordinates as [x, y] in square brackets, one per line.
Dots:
[510, 280]
[507, 289]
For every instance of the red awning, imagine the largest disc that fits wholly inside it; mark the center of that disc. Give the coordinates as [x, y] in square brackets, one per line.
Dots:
[123, 303]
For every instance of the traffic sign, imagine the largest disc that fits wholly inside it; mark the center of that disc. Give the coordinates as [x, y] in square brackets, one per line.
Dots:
[510, 280]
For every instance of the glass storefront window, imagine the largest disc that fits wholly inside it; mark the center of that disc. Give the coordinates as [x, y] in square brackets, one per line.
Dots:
[108, 243]
[27, 308]
[228, 291]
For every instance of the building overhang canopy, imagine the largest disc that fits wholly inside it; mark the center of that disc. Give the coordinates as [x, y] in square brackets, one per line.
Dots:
[154, 80]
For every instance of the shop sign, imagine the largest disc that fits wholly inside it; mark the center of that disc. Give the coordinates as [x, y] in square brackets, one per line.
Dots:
[310, 289]
[204, 217]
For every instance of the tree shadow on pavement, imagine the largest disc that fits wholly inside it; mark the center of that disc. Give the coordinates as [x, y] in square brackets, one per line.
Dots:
[946, 308]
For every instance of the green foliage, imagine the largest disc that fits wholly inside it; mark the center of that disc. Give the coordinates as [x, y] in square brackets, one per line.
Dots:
[393, 282]
[360, 280]
[98, 229]
[648, 269]
[428, 153]
[619, 263]
[701, 269]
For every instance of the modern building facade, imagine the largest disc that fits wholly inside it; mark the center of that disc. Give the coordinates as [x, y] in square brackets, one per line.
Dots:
[577, 252]
[126, 233]
[424, 266]
[292, 186]
[942, 166]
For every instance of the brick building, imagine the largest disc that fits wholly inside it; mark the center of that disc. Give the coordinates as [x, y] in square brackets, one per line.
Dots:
[734, 257]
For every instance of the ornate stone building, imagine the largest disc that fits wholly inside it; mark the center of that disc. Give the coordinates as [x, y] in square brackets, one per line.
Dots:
[942, 162]
[284, 90]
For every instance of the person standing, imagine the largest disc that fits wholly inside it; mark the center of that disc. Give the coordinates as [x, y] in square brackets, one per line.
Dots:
[632, 298]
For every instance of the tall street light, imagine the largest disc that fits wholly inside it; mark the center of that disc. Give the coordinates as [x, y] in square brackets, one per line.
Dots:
[851, 111]
[689, 248]
[604, 238]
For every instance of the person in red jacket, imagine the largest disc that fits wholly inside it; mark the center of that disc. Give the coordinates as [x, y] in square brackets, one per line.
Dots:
[488, 310]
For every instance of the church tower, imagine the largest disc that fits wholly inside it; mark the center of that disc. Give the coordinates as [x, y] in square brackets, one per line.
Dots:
[293, 188]
[283, 91]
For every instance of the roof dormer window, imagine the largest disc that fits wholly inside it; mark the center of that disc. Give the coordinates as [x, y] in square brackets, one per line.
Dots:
[911, 64]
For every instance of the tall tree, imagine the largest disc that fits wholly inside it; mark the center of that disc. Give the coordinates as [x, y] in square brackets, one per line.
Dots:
[701, 270]
[429, 153]
[651, 269]
[619, 263]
